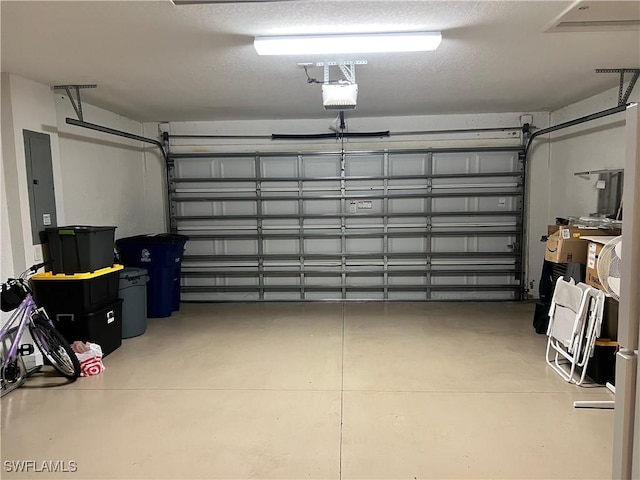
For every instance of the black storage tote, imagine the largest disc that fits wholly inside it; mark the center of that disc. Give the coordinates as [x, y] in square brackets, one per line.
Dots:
[80, 249]
[77, 293]
[103, 326]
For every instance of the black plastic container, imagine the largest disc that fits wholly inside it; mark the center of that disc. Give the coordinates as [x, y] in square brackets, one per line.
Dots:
[602, 366]
[78, 293]
[80, 249]
[103, 327]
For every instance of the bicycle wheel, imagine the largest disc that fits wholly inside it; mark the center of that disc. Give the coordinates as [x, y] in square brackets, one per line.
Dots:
[54, 346]
[12, 370]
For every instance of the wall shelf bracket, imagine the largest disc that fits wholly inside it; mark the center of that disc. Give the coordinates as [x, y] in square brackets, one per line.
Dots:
[635, 74]
[595, 172]
[77, 102]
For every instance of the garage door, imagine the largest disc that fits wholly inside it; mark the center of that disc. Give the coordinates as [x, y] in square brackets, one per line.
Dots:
[434, 224]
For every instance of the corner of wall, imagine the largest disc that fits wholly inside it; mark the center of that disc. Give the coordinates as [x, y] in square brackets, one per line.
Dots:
[154, 180]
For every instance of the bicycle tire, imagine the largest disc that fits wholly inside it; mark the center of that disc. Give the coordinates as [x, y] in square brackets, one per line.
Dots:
[12, 375]
[55, 348]
[11, 372]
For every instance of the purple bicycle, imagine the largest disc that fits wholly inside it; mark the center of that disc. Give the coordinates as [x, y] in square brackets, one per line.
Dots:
[17, 297]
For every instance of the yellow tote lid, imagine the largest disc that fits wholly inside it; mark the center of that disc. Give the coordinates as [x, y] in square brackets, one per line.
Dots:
[76, 276]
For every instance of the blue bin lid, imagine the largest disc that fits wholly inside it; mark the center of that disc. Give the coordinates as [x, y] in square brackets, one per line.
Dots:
[153, 239]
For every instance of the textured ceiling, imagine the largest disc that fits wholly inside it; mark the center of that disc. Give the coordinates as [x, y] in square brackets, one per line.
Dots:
[155, 61]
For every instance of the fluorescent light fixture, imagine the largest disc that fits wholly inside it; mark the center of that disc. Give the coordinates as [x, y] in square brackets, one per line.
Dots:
[351, 43]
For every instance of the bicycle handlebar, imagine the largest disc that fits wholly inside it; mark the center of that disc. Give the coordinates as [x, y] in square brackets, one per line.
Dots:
[23, 275]
[38, 266]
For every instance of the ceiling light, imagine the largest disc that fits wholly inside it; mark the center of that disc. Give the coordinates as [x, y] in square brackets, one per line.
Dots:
[356, 43]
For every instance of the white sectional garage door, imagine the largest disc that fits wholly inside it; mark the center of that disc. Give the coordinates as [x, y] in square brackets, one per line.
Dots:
[434, 224]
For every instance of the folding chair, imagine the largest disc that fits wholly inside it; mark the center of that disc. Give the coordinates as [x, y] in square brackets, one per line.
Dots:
[575, 319]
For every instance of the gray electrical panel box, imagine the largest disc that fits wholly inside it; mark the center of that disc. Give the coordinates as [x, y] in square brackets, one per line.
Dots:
[42, 199]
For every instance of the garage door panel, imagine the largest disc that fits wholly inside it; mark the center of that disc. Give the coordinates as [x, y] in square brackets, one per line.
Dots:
[279, 167]
[355, 224]
[408, 164]
[504, 162]
[321, 207]
[280, 246]
[322, 245]
[364, 245]
[407, 225]
[279, 207]
[368, 165]
[320, 166]
[409, 245]
[360, 280]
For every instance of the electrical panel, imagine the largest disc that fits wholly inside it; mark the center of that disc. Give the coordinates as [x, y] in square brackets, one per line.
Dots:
[42, 200]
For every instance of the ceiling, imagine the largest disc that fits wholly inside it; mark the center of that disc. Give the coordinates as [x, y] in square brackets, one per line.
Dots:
[155, 61]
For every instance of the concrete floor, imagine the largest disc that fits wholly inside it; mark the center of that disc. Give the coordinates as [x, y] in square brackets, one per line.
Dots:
[354, 391]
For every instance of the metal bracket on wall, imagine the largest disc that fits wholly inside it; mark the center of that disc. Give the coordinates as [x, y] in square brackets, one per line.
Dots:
[623, 97]
[347, 68]
[594, 172]
[77, 103]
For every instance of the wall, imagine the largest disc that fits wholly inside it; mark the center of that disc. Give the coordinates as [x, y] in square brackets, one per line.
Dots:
[537, 167]
[591, 146]
[554, 189]
[99, 179]
[6, 258]
[26, 105]
[154, 176]
[104, 177]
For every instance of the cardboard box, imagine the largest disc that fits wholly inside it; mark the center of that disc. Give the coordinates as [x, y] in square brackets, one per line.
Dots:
[570, 245]
[593, 253]
[579, 231]
[559, 250]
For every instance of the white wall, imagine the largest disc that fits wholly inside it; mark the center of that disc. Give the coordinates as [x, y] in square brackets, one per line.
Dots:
[6, 258]
[26, 105]
[107, 180]
[554, 190]
[154, 175]
[104, 177]
[99, 179]
[302, 126]
[591, 146]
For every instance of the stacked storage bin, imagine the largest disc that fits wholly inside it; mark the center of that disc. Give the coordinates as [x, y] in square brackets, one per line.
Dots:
[80, 294]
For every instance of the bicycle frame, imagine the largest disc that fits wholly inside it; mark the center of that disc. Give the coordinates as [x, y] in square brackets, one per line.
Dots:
[24, 312]
[49, 341]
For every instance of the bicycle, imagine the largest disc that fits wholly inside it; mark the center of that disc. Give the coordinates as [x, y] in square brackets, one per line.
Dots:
[17, 298]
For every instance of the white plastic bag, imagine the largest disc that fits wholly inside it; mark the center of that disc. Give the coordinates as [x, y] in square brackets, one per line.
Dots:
[90, 357]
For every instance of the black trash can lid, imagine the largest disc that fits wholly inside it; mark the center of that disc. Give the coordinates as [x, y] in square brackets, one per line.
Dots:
[72, 229]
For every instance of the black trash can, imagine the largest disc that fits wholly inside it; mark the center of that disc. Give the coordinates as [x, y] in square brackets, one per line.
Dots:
[133, 292]
[161, 256]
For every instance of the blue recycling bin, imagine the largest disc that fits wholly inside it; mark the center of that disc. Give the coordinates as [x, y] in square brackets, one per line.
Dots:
[161, 255]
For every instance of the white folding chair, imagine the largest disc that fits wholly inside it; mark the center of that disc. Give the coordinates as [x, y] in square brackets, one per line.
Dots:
[575, 319]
